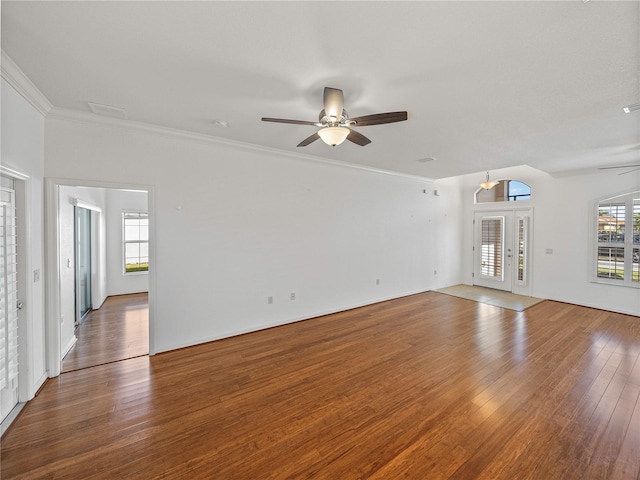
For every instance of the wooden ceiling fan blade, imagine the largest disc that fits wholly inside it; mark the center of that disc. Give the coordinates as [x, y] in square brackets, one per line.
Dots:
[333, 100]
[309, 140]
[619, 166]
[358, 138]
[284, 120]
[379, 118]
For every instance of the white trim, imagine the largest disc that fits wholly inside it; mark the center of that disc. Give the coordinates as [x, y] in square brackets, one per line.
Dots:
[52, 285]
[595, 244]
[7, 172]
[39, 383]
[88, 118]
[89, 206]
[606, 308]
[618, 195]
[124, 242]
[25, 87]
[11, 417]
[52, 228]
[23, 191]
[69, 346]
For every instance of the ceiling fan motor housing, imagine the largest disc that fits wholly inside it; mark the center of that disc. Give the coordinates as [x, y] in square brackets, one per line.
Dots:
[326, 121]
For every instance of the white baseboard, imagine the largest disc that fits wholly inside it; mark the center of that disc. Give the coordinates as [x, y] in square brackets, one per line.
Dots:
[6, 423]
[69, 346]
[286, 321]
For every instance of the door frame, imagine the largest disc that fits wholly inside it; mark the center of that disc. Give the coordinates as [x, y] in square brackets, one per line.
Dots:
[520, 287]
[22, 188]
[11, 299]
[94, 221]
[52, 254]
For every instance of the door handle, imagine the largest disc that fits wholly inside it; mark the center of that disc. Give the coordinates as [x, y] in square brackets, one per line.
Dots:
[19, 306]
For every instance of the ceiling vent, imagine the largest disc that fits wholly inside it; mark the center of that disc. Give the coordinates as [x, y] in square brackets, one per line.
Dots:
[108, 111]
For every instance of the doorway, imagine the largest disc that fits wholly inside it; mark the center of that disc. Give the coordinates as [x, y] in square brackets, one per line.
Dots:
[107, 320]
[502, 249]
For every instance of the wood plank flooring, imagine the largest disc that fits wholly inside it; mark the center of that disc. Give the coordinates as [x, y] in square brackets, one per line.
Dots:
[424, 387]
[116, 331]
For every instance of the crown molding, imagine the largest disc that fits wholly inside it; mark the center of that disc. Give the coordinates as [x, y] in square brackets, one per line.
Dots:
[25, 87]
[92, 119]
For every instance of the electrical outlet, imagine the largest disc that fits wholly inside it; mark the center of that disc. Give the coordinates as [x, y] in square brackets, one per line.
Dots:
[377, 281]
[293, 296]
[269, 300]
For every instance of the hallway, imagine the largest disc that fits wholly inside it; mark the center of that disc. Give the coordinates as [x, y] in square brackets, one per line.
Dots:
[118, 330]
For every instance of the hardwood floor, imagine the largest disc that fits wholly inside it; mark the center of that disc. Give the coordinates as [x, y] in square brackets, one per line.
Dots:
[424, 387]
[117, 331]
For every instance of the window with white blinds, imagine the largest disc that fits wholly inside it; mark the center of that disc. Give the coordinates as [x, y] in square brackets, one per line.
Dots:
[617, 245]
[8, 290]
[491, 247]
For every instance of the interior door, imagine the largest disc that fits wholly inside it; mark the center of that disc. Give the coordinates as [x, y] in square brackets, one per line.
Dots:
[83, 262]
[493, 250]
[8, 303]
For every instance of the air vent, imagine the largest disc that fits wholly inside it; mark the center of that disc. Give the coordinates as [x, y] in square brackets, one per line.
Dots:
[108, 111]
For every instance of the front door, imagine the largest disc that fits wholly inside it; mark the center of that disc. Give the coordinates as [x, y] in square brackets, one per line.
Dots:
[501, 250]
[8, 303]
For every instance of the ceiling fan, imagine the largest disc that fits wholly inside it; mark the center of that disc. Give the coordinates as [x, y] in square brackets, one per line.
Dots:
[634, 168]
[625, 150]
[335, 124]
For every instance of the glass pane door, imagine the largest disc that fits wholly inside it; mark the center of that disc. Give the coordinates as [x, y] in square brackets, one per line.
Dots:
[493, 249]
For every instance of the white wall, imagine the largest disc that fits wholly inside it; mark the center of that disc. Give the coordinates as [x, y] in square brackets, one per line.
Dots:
[119, 201]
[562, 219]
[234, 225]
[66, 216]
[448, 227]
[23, 151]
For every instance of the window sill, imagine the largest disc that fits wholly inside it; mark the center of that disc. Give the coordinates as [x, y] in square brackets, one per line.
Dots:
[132, 274]
[616, 283]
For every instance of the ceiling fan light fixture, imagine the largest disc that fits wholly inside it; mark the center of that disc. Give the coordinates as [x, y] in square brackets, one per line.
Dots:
[488, 184]
[333, 135]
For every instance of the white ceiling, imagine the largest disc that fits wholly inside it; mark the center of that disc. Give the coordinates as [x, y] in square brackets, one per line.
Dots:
[486, 84]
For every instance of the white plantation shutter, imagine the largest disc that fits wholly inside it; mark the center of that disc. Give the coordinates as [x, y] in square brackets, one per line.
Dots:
[492, 235]
[3, 309]
[8, 291]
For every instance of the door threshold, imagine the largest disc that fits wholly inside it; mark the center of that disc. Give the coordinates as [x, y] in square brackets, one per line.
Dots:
[491, 296]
